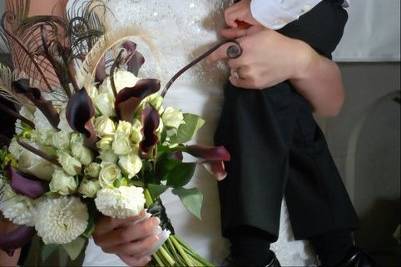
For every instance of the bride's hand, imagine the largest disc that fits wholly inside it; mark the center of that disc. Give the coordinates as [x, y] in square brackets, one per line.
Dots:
[268, 57]
[132, 241]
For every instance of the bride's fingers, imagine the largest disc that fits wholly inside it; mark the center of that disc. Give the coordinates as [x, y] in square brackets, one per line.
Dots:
[132, 261]
[129, 233]
[106, 224]
[241, 83]
[136, 249]
[233, 33]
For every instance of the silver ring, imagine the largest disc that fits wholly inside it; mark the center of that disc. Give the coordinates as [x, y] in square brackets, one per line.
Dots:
[234, 51]
[235, 74]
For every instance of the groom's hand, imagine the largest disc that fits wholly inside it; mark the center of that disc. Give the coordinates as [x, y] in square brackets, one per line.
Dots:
[268, 57]
[239, 15]
[131, 239]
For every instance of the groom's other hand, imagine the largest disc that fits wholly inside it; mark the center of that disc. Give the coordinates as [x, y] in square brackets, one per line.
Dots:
[268, 57]
[131, 239]
[239, 15]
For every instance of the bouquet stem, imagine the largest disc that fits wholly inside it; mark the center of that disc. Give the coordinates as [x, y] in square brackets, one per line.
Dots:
[174, 252]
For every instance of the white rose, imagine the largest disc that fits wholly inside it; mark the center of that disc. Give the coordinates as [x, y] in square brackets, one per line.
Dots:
[104, 144]
[124, 128]
[108, 156]
[89, 188]
[108, 174]
[77, 138]
[82, 153]
[130, 164]
[105, 104]
[61, 140]
[92, 170]
[156, 101]
[172, 118]
[122, 202]
[136, 134]
[70, 165]
[43, 136]
[62, 183]
[61, 220]
[121, 143]
[104, 126]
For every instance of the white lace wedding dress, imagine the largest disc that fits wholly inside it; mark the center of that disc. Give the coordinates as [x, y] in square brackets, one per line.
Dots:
[181, 30]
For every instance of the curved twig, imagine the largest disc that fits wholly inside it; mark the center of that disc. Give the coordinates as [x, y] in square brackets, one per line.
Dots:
[39, 153]
[233, 51]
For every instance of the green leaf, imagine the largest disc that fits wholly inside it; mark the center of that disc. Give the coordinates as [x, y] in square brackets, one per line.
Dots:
[181, 174]
[188, 130]
[48, 250]
[166, 165]
[157, 189]
[191, 199]
[75, 248]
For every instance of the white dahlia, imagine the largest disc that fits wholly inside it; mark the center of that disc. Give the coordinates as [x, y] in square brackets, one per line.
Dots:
[61, 220]
[120, 203]
[17, 208]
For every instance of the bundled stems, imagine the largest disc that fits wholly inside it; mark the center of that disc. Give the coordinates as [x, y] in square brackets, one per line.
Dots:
[174, 252]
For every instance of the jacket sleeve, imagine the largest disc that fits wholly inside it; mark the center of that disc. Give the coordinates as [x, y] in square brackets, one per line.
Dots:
[275, 14]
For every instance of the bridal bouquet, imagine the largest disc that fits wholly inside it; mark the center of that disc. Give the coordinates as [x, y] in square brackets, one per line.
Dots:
[91, 136]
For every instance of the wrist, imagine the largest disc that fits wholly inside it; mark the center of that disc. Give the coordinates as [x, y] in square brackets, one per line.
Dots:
[305, 60]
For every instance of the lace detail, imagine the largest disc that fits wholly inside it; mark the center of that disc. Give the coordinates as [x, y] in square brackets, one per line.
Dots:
[182, 30]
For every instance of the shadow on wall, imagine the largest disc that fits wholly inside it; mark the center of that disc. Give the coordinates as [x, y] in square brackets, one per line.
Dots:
[374, 161]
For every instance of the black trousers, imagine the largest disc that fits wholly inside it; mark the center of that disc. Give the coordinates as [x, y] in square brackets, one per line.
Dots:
[279, 151]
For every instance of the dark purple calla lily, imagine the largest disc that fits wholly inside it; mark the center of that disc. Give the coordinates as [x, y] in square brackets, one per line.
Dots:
[210, 153]
[26, 185]
[212, 158]
[16, 239]
[35, 96]
[129, 98]
[134, 60]
[79, 113]
[150, 122]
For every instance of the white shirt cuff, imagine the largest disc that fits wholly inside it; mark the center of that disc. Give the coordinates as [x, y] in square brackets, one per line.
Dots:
[275, 14]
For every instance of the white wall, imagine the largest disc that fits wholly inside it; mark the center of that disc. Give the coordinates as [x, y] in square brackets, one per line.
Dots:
[372, 32]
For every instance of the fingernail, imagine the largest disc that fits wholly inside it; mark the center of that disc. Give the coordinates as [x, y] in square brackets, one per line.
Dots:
[157, 220]
[158, 230]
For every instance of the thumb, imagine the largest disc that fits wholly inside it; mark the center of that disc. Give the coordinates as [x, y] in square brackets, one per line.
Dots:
[233, 33]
